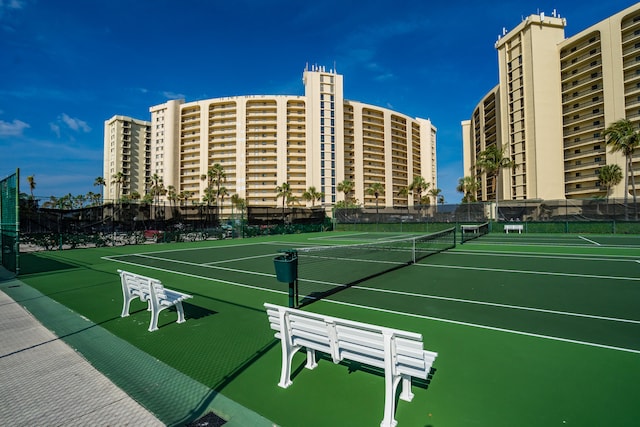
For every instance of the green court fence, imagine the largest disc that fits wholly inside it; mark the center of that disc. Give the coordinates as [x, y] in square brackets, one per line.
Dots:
[611, 216]
[9, 222]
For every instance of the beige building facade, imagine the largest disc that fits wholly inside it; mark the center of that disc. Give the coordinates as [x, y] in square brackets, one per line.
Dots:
[554, 99]
[317, 139]
[126, 154]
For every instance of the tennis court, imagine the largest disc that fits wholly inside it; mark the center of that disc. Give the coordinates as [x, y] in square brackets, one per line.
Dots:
[529, 329]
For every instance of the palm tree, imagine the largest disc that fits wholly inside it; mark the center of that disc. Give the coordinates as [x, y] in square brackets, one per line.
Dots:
[183, 196]
[404, 192]
[624, 137]
[610, 176]
[285, 192]
[375, 190]
[157, 187]
[238, 201]
[468, 186]
[435, 193]
[346, 187]
[492, 160]
[118, 179]
[312, 195]
[222, 193]
[416, 188]
[215, 176]
[31, 179]
[99, 181]
[172, 195]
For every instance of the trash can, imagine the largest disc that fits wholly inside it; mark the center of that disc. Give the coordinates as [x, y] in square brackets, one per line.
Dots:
[286, 267]
[287, 271]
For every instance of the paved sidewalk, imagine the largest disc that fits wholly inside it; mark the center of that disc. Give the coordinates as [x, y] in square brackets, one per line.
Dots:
[45, 382]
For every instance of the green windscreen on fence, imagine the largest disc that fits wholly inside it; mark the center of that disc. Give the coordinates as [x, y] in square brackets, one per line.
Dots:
[9, 221]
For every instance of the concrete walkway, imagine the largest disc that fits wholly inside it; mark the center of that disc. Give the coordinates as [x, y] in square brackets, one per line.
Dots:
[45, 382]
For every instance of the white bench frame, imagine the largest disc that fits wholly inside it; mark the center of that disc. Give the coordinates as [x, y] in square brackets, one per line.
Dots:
[469, 227]
[153, 293]
[399, 353]
[513, 227]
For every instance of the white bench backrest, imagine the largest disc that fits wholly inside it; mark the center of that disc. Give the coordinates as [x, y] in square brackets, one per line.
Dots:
[141, 285]
[356, 341]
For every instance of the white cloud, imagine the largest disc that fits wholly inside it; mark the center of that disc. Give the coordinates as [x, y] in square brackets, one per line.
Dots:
[74, 123]
[12, 4]
[55, 128]
[14, 128]
[173, 95]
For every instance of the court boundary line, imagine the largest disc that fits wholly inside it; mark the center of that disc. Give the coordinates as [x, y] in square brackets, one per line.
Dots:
[500, 305]
[420, 316]
[589, 240]
[491, 328]
[211, 279]
[391, 291]
[205, 265]
[486, 241]
[552, 255]
[542, 273]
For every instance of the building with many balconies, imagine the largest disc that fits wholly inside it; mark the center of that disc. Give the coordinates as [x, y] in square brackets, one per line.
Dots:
[554, 99]
[127, 143]
[319, 139]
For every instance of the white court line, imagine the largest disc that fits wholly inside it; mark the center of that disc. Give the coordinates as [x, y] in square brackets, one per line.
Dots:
[493, 304]
[189, 249]
[236, 259]
[474, 325]
[235, 270]
[589, 240]
[195, 276]
[553, 255]
[542, 273]
[491, 328]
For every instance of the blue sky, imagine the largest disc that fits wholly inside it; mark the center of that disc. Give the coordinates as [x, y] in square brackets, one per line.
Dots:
[66, 66]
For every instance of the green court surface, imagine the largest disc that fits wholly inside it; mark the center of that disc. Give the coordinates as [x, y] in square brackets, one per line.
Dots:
[530, 330]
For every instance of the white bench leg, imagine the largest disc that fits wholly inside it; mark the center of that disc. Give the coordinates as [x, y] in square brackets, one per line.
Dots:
[311, 359]
[153, 325]
[126, 305]
[406, 394]
[180, 311]
[285, 373]
[390, 385]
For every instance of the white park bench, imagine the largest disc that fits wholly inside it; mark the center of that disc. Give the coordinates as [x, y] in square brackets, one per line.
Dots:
[399, 353]
[153, 293]
[513, 227]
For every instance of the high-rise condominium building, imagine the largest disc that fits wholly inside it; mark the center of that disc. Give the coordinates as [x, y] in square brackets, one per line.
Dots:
[127, 164]
[319, 139]
[554, 99]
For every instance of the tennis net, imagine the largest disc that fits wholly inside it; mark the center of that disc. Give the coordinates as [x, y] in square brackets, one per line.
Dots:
[324, 270]
[473, 231]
